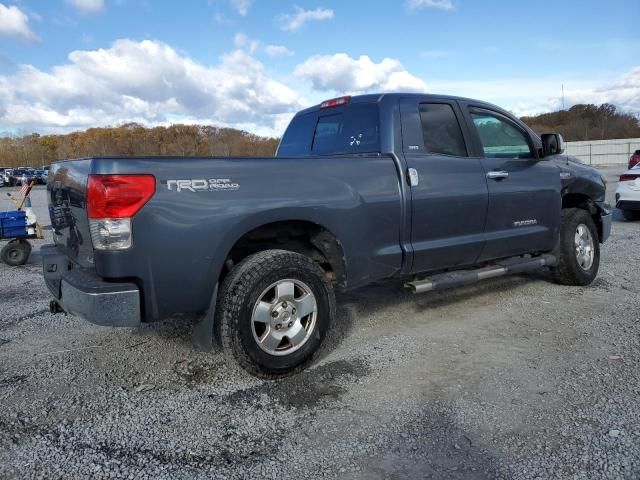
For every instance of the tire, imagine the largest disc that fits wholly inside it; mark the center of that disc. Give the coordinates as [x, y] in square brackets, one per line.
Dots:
[578, 237]
[15, 253]
[259, 288]
[631, 215]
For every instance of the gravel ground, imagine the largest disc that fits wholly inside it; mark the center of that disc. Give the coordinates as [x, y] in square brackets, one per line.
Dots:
[512, 378]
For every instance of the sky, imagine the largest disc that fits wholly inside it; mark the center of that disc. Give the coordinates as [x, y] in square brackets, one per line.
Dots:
[74, 64]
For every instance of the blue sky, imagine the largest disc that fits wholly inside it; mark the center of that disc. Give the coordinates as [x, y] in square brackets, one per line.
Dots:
[72, 64]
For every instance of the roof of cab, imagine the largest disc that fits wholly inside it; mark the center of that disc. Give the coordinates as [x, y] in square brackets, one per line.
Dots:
[378, 97]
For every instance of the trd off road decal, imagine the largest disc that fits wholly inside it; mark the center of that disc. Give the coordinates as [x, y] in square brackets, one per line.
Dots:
[203, 185]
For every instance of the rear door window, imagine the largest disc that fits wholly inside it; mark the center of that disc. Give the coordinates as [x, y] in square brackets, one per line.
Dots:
[441, 130]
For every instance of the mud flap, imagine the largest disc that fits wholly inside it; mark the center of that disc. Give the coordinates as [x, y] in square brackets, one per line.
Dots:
[202, 333]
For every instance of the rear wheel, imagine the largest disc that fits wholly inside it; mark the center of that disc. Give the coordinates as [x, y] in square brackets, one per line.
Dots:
[16, 252]
[274, 310]
[579, 250]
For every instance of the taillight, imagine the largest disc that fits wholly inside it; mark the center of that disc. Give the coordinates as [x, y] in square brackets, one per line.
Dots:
[627, 178]
[335, 102]
[118, 196]
[111, 202]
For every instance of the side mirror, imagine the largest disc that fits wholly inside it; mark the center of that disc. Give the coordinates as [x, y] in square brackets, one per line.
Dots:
[552, 144]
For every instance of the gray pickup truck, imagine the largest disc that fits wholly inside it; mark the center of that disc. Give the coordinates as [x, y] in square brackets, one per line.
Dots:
[438, 191]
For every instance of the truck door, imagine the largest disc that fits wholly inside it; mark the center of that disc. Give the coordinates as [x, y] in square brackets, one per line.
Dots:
[448, 187]
[524, 192]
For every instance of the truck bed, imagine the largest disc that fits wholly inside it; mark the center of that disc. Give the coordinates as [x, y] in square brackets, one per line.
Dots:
[181, 236]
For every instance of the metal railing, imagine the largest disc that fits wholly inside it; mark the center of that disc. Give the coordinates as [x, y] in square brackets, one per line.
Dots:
[604, 152]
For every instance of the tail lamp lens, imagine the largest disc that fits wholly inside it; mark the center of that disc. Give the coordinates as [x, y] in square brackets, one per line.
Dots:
[118, 196]
[112, 200]
[628, 178]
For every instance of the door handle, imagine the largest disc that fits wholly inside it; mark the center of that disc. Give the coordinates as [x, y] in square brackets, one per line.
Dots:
[414, 178]
[497, 174]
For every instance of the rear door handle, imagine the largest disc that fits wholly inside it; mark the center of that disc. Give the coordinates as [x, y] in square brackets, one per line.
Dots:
[414, 178]
[497, 174]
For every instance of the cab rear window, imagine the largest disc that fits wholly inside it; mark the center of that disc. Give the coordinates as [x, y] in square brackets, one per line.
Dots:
[352, 129]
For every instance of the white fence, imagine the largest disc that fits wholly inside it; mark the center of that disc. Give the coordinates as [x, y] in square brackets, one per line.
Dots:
[604, 152]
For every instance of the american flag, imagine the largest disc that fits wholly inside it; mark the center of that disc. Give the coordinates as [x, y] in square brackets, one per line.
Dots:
[24, 189]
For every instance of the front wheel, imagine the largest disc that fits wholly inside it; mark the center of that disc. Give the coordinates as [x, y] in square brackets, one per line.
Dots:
[274, 310]
[579, 249]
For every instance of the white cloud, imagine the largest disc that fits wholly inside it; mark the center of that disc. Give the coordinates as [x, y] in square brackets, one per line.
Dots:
[221, 19]
[277, 51]
[245, 43]
[441, 4]
[295, 21]
[241, 6]
[15, 23]
[87, 6]
[623, 91]
[344, 74]
[147, 82]
[527, 96]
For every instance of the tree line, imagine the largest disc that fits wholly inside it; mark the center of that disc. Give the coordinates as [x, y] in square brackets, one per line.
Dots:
[133, 140]
[587, 122]
[580, 122]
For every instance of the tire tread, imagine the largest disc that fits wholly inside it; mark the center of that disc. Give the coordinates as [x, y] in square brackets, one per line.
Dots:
[236, 287]
[568, 272]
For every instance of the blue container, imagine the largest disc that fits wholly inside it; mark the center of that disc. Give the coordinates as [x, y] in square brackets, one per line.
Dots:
[13, 224]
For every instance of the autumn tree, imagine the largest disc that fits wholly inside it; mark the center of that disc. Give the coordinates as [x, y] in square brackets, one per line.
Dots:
[133, 140]
[587, 122]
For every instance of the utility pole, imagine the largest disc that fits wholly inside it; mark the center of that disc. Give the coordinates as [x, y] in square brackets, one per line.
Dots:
[563, 96]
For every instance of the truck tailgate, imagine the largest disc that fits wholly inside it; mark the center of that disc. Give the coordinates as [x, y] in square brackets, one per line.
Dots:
[67, 192]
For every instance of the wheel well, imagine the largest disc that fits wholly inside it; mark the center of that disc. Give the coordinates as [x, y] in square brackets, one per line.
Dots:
[580, 200]
[306, 238]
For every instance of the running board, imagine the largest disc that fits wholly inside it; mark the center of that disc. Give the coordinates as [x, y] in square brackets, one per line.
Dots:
[509, 266]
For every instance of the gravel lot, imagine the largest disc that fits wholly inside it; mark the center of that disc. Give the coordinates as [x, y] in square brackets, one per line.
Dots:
[512, 378]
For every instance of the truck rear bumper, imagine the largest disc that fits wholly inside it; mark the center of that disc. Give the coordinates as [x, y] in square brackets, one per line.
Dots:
[84, 294]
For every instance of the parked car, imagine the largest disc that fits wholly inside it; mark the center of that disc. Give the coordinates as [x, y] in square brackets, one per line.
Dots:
[437, 191]
[2, 176]
[634, 159]
[21, 176]
[41, 176]
[628, 193]
[5, 175]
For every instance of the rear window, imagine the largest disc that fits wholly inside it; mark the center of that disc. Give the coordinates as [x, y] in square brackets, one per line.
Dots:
[441, 130]
[353, 129]
[297, 138]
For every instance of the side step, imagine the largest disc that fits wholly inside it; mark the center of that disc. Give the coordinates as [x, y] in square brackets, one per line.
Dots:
[466, 277]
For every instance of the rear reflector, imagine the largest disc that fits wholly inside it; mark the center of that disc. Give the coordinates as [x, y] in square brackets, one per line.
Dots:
[335, 102]
[628, 178]
[118, 196]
